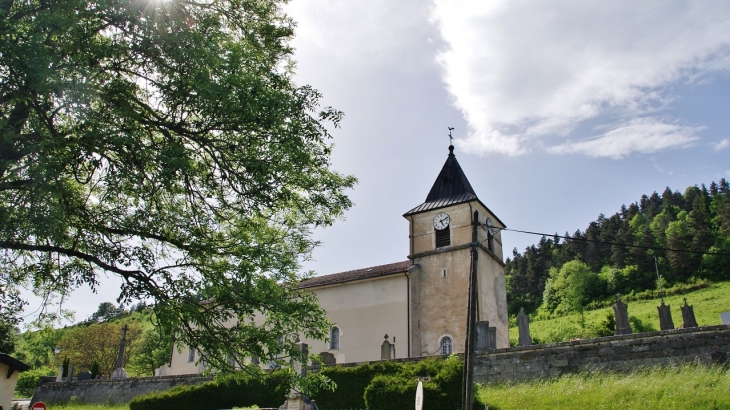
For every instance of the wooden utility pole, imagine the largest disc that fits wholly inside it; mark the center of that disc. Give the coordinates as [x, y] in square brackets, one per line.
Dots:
[467, 392]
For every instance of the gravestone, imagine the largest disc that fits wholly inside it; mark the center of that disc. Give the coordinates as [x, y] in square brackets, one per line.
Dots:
[486, 336]
[299, 367]
[59, 378]
[70, 377]
[688, 315]
[386, 349]
[725, 318]
[119, 372]
[523, 325]
[328, 358]
[84, 376]
[621, 312]
[665, 317]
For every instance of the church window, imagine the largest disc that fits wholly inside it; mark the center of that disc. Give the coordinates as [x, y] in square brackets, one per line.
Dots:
[335, 338]
[444, 273]
[191, 355]
[445, 345]
[443, 237]
[490, 242]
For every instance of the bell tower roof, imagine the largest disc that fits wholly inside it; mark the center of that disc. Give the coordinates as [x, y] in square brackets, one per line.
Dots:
[451, 187]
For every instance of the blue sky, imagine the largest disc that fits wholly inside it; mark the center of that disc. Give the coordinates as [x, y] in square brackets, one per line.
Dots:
[562, 110]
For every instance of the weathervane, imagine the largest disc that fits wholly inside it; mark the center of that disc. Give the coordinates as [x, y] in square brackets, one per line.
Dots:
[451, 139]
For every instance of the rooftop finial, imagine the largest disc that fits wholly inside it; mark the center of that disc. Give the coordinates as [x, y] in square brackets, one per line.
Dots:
[451, 141]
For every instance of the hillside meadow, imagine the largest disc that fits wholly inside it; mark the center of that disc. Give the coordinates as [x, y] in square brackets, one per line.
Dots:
[684, 387]
[708, 303]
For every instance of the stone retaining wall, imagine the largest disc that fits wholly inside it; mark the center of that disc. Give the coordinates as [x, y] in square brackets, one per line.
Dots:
[110, 391]
[709, 344]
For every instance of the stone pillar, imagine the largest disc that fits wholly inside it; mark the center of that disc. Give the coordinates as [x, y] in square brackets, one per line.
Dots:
[119, 372]
[688, 315]
[620, 310]
[665, 317]
[523, 325]
[385, 349]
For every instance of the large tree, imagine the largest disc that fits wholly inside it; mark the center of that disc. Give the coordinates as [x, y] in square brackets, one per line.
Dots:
[164, 141]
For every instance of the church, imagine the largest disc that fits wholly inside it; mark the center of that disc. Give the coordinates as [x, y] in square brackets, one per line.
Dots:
[419, 306]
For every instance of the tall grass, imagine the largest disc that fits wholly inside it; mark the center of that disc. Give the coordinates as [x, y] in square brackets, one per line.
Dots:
[686, 387]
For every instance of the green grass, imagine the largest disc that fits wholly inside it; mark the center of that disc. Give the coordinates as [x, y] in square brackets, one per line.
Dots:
[685, 387]
[708, 303]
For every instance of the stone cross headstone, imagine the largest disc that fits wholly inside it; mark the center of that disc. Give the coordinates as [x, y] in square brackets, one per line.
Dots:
[665, 317]
[621, 312]
[119, 372]
[523, 325]
[688, 315]
[385, 349]
[299, 367]
[486, 336]
[328, 358]
[725, 318]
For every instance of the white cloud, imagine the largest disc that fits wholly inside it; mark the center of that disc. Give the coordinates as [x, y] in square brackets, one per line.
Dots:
[523, 70]
[642, 135]
[721, 145]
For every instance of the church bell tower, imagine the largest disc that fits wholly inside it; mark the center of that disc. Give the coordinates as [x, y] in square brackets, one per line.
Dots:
[441, 231]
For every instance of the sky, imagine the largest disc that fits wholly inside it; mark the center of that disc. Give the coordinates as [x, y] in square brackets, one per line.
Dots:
[561, 110]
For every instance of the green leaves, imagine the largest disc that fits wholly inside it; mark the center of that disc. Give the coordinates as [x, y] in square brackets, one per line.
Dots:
[162, 141]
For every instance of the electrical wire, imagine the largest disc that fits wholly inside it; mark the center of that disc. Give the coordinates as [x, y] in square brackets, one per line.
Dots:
[616, 243]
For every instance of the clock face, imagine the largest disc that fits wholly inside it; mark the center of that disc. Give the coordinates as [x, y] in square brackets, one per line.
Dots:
[441, 221]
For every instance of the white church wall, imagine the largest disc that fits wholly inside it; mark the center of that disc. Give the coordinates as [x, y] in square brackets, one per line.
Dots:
[365, 311]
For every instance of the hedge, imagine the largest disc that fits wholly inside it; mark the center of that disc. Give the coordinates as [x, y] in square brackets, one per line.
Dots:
[227, 392]
[392, 385]
[383, 385]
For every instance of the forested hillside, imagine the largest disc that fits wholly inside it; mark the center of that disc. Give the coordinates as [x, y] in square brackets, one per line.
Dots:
[688, 234]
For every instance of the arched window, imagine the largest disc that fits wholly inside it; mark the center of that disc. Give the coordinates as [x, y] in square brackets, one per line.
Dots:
[335, 338]
[445, 345]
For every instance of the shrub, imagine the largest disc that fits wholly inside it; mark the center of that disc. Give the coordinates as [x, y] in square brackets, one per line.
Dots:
[224, 393]
[28, 381]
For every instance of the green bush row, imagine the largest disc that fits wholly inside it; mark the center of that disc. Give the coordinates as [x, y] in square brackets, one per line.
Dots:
[223, 393]
[392, 386]
[375, 386]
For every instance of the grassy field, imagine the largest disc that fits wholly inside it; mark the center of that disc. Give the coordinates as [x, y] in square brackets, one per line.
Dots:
[708, 303]
[686, 387]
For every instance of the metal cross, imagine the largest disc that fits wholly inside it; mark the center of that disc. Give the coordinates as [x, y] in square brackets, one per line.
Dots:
[451, 139]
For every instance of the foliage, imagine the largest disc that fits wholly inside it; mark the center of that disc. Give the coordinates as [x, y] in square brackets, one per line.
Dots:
[151, 351]
[392, 385]
[684, 387]
[10, 306]
[98, 343]
[223, 393]
[106, 312]
[65, 367]
[94, 370]
[683, 236]
[165, 142]
[27, 382]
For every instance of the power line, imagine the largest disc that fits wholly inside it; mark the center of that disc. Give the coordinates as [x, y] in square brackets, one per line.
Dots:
[617, 243]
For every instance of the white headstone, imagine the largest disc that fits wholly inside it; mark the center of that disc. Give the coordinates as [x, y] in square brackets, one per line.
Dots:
[419, 396]
[725, 318]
